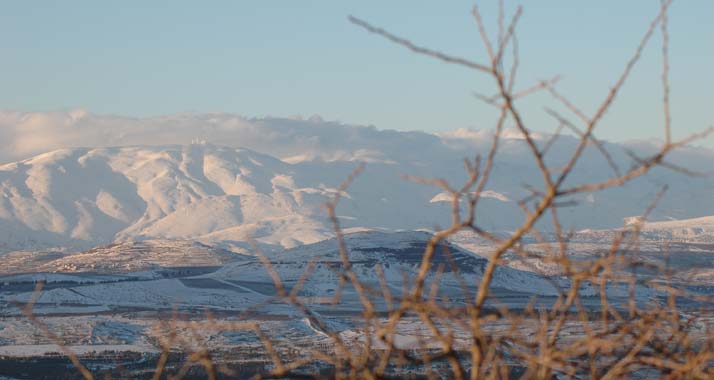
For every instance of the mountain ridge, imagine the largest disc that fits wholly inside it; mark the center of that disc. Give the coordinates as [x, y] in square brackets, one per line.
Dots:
[273, 190]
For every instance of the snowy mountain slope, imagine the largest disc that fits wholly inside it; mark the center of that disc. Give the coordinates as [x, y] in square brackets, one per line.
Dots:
[397, 254]
[695, 229]
[26, 134]
[79, 198]
[121, 258]
[692, 234]
[246, 282]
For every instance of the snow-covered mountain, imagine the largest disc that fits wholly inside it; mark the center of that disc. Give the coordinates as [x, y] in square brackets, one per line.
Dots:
[243, 281]
[121, 258]
[85, 197]
[221, 194]
[397, 255]
[688, 230]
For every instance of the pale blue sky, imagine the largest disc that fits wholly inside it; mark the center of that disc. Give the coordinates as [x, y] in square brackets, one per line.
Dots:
[283, 58]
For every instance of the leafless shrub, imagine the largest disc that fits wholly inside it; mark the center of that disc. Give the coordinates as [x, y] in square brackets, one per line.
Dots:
[470, 340]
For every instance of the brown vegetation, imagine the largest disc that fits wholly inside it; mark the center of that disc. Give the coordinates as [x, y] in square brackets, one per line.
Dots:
[459, 341]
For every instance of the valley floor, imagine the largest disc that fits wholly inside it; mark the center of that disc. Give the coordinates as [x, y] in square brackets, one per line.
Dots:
[119, 322]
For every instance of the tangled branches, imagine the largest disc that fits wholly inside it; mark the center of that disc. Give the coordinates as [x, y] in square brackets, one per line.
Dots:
[600, 326]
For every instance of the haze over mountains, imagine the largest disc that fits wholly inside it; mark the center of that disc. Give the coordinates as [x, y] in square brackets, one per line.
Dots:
[80, 180]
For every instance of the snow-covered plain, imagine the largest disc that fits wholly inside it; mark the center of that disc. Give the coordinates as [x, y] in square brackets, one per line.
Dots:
[242, 281]
[116, 311]
[114, 302]
[129, 228]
